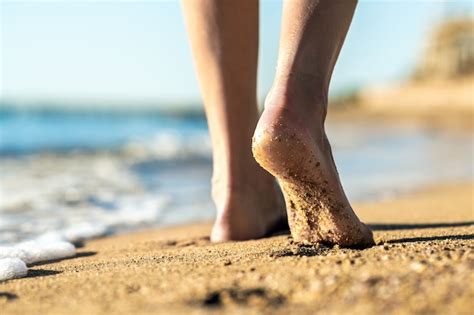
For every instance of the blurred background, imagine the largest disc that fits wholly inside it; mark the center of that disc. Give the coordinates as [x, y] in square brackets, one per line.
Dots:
[102, 128]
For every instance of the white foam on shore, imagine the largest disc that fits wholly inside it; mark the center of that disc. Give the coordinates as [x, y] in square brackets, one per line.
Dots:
[11, 268]
[79, 233]
[73, 198]
[37, 251]
[13, 259]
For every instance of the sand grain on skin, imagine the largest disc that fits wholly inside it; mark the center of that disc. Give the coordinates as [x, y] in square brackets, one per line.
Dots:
[318, 210]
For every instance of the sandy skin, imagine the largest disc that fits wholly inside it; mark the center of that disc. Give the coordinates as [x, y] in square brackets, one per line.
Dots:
[423, 263]
[299, 155]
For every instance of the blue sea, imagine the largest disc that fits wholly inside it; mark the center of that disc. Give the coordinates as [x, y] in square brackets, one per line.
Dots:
[78, 174]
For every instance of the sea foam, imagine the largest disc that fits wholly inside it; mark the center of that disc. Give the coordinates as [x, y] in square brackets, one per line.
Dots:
[36, 251]
[11, 268]
[13, 259]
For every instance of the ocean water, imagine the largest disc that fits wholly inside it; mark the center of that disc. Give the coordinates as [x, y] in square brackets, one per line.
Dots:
[68, 175]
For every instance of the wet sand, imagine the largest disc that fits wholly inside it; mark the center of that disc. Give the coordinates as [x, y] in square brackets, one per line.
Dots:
[423, 263]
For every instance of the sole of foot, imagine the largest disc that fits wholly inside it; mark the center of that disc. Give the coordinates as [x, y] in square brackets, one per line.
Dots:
[298, 154]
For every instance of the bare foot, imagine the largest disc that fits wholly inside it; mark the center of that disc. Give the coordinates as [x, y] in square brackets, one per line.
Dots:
[292, 145]
[251, 207]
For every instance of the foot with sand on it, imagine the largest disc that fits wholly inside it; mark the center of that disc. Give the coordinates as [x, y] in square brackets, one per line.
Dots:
[294, 149]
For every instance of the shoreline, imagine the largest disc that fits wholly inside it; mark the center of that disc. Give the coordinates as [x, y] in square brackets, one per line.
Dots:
[423, 262]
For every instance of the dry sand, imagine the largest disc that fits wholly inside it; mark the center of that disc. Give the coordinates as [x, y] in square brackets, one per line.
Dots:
[423, 264]
[437, 103]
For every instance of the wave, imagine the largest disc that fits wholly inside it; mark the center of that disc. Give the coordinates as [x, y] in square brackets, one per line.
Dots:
[165, 144]
[169, 146]
[32, 131]
[150, 109]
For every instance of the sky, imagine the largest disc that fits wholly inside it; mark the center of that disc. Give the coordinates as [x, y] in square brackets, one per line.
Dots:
[137, 51]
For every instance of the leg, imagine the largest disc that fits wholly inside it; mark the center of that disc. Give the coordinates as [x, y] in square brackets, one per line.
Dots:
[224, 40]
[290, 140]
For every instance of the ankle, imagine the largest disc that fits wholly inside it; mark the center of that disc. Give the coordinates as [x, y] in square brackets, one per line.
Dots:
[307, 105]
[284, 110]
[230, 183]
[303, 85]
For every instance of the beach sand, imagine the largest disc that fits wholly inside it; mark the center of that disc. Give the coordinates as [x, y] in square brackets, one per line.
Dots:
[423, 263]
[421, 103]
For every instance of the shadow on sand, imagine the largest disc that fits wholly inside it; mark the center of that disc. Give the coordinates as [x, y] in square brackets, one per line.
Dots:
[8, 296]
[78, 255]
[34, 273]
[460, 237]
[404, 226]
